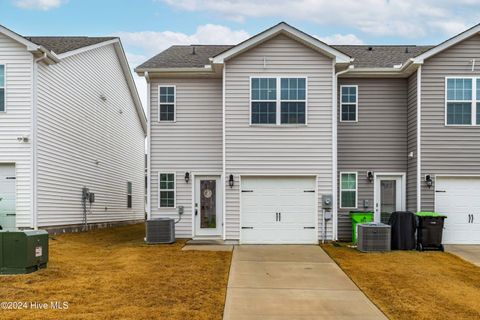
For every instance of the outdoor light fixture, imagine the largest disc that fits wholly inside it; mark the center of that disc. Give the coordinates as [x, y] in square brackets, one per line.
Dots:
[230, 181]
[370, 176]
[187, 176]
[428, 180]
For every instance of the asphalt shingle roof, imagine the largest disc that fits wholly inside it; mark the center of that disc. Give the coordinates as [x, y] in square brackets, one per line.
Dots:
[365, 56]
[64, 44]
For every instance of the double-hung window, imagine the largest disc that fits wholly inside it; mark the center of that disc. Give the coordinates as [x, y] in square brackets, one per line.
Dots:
[278, 100]
[2, 87]
[293, 101]
[349, 103]
[462, 101]
[348, 190]
[264, 100]
[166, 190]
[166, 106]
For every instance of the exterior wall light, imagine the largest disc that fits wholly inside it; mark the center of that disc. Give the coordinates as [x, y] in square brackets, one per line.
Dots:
[370, 176]
[230, 181]
[187, 176]
[428, 181]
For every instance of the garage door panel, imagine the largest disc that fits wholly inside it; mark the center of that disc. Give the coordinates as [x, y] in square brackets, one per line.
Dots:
[264, 197]
[459, 199]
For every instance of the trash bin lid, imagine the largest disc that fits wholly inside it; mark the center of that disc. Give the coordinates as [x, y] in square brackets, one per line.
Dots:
[430, 214]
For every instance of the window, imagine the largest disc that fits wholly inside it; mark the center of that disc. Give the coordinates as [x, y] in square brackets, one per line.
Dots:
[2, 87]
[293, 101]
[278, 100]
[348, 190]
[462, 107]
[129, 194]
[264, 100]
[349, 103]
[166, 190]
[166, 110]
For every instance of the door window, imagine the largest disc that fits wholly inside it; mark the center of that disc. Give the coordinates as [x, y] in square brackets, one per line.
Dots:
[208, 205]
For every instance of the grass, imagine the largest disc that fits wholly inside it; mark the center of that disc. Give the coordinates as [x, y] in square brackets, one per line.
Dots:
[113, 274]
[413, 285]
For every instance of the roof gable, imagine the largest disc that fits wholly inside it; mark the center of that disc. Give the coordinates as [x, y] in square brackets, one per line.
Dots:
[448, 43]
[291, 32]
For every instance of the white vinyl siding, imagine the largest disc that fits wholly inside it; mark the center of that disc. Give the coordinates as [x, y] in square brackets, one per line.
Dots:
[166, 190]
[86, 141]
[280, 149]
[348, 190]
[349, 103]
[166, 103]
[16, 122]
[2, 87]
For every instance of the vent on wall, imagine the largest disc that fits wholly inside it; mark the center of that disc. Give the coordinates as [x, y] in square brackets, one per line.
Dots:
[374, 237]
[160, 231]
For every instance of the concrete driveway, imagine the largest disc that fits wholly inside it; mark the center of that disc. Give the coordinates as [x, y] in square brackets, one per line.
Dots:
[468, 252]
[292, 282]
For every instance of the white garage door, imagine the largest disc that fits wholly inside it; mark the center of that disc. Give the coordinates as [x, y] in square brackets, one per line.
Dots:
[278, 210]
[459, 200]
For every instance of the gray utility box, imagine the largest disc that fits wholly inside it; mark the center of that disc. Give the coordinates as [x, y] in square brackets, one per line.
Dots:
[23, 251]
[160, 231]
[374, 237]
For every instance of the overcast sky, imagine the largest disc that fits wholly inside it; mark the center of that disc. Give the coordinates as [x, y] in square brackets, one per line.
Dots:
[147, 27]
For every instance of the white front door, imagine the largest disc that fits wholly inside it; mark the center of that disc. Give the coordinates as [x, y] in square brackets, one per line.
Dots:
[389, 196]
[278, 210]
[208, 206]
[459, 200]
[7, 196]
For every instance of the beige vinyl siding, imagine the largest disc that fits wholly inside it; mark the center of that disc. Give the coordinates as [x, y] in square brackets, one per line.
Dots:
[412, 143]
[85, 141]
[448, 150]
[377, 142]
[17, 122]
[277, 150]
[193, 143]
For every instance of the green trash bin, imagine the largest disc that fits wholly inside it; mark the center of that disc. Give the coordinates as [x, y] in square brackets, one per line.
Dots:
[359, 217]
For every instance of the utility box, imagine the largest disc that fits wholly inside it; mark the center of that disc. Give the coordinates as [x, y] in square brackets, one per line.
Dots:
[23, 251]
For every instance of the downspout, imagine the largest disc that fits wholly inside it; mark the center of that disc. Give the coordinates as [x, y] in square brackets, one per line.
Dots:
[34, 141]
[224, 160]
[334, 152]
[149, 138]
[419, 138]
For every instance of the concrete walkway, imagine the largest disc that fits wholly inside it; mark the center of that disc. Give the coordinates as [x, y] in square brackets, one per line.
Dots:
[292, 282]
[468, 252]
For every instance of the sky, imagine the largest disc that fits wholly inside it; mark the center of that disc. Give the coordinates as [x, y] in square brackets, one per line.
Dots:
[146, 27]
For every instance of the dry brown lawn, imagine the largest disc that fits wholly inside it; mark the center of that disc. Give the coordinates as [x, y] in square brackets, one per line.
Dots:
[113, 274]
[414, 285]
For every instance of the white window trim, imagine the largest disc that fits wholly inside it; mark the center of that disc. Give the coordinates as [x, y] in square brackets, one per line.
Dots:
[342, 103]
[278, 101]
[174, 190]
[4, 87]
[356, 190]
[473, 102]
[174, 103]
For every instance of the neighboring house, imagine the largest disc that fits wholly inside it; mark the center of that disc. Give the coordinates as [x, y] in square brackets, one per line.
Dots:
[252, 139]
[70, 118]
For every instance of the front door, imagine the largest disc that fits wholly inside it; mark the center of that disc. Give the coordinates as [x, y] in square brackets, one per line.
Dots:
[389, 196]
[208, 206]
[7, 196]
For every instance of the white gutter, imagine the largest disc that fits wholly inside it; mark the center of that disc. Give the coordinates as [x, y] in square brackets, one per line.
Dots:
[149, 139]
[334, 150]
[34, 140]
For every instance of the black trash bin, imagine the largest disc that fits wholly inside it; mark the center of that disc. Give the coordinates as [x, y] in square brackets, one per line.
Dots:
[430, 231]
[403, 226]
